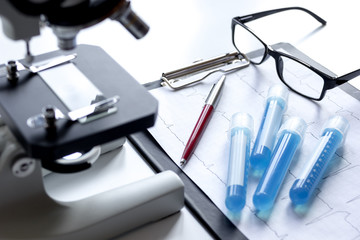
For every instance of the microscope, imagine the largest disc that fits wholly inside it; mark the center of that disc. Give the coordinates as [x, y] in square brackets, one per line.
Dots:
[62, 112]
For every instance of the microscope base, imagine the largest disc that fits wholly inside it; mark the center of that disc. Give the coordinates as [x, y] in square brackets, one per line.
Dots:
[27, 211]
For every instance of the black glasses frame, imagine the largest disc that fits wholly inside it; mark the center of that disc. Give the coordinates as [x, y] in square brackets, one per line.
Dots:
[329, 81]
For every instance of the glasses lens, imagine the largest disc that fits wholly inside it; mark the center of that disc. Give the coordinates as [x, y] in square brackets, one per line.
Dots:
[247, 43]
[301, 78]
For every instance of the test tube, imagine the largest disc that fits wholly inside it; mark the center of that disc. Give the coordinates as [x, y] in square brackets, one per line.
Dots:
[333, 134]
[241, 128]
[275, 107]
[290, 138]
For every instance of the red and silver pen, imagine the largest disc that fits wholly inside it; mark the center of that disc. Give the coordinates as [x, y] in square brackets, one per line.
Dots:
[210, 103]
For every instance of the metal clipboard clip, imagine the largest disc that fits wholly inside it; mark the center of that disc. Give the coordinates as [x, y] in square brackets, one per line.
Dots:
[200, 70]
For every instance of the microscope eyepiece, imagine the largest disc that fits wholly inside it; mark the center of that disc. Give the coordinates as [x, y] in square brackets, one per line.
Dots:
[132, 22]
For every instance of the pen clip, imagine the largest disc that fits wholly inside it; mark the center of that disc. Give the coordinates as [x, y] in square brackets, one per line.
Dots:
[215, 92]
[198, 71]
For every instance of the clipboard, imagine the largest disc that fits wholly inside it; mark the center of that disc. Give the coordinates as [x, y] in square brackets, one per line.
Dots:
[206, 212]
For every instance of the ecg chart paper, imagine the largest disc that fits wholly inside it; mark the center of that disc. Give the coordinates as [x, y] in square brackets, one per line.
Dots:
[333, 213]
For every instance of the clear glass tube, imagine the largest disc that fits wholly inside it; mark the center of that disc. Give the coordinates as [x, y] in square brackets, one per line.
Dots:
[275, 107]
[332, 136]
[290, 138]
[240, 132]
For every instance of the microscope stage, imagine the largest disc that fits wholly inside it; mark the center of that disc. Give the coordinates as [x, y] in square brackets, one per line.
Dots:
[136, 108]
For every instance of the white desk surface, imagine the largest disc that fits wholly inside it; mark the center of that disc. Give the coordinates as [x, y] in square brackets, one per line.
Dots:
[180, 33]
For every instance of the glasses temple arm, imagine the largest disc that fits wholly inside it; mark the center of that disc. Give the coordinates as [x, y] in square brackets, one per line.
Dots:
[347, 77]
[254, 16]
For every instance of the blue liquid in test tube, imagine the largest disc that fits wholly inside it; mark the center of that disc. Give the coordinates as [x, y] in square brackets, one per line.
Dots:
[290, 138]
[275, 107]
[331, 139]
[240, 132]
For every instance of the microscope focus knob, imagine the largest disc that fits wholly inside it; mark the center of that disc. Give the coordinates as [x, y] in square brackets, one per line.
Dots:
[23, 167]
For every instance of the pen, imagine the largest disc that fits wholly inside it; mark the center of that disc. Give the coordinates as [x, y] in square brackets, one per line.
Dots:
[210, 103]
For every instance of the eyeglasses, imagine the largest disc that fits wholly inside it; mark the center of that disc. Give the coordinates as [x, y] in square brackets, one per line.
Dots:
[313, 82]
